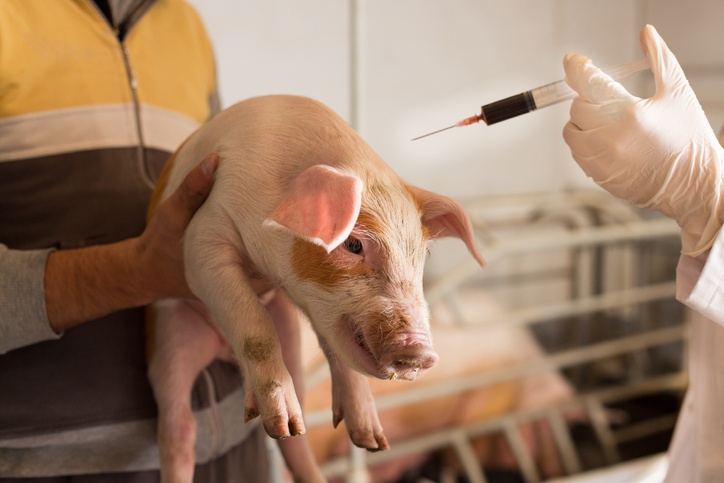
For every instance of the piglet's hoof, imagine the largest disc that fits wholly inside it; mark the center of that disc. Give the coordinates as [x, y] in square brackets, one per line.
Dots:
[279, 428]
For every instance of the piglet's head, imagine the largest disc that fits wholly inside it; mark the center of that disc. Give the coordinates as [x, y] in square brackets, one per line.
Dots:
[356, 265]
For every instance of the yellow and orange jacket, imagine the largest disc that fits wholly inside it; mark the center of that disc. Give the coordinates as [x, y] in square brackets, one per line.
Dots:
[89, 112]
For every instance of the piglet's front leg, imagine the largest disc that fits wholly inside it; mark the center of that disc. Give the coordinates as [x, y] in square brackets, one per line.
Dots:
[215, 274]
[269, 387]
[352, 400]
[297, 451]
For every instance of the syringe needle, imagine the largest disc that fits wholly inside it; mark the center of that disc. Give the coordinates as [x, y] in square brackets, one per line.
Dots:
[465, 122]
[434, 132]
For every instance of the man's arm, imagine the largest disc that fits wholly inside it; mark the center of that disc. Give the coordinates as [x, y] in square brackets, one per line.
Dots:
[87, 283]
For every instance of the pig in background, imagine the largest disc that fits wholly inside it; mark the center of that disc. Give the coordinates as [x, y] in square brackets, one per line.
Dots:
[303, 215]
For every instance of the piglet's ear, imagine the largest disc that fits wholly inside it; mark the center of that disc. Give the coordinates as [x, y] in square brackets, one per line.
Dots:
[444, 216]
[322, 206]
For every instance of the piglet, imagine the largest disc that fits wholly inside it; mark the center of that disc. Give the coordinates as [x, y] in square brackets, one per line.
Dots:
[303, 216]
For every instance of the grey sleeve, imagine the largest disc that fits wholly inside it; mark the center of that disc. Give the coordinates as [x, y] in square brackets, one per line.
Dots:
[23, 317]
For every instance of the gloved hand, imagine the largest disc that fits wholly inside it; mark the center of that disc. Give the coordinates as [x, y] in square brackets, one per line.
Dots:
[658, 153]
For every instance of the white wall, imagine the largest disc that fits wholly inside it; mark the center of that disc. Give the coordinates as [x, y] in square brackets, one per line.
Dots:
[280, 47]
[399, 68]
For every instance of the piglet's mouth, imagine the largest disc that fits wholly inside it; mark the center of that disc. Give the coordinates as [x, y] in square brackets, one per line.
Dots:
[402, 361]
[358, 352]
[362, 343]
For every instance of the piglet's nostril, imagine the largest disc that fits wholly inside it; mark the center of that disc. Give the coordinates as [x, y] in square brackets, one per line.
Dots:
[421, 362]
[412, 362]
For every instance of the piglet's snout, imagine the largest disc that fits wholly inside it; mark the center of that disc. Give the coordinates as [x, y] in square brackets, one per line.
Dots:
[397, 338]
[409, 362]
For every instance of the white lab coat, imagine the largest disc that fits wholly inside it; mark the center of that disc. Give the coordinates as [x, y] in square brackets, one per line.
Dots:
[696, 454]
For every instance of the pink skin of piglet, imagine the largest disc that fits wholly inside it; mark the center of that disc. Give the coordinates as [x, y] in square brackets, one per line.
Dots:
[304, 221]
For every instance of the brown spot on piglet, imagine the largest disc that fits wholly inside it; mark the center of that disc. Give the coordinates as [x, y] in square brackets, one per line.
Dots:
[258, 349]
[313, 263]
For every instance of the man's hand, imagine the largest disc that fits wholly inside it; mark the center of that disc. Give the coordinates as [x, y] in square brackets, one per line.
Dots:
[160, 248]
[87, 283]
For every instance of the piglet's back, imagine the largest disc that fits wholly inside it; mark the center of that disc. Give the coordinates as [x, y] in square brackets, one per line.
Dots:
[293, 132]
[265, 142]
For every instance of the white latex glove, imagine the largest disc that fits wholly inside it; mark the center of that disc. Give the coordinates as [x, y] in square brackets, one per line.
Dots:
[658, 153]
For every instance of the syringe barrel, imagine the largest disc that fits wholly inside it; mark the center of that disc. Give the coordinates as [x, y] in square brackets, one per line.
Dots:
[507, 108]
[552, 93]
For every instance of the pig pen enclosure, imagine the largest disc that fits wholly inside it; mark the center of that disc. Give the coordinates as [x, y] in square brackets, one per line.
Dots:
[565, 355]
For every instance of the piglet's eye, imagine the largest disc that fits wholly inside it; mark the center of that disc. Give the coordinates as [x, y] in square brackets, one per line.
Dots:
[353, 245]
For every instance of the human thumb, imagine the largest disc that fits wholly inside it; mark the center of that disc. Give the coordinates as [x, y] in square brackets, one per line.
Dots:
[668, 74]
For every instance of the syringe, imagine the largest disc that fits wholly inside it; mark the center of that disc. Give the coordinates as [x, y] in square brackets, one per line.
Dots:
[537, 98]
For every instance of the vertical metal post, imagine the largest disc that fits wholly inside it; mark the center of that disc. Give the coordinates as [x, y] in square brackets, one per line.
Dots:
[522, 455]
[357, 469]
[356, 38]
[467, 457]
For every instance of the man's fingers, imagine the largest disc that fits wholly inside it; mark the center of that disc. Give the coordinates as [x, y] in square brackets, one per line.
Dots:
[197, 185]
